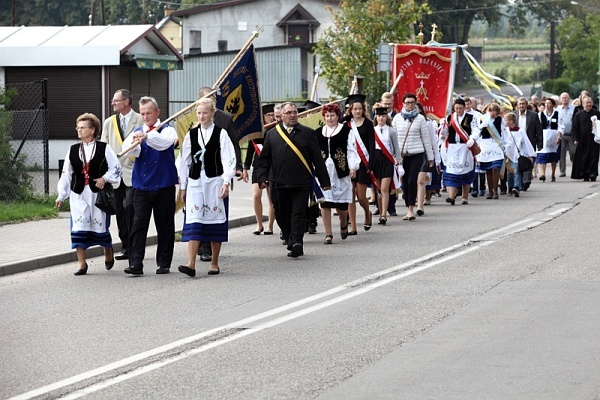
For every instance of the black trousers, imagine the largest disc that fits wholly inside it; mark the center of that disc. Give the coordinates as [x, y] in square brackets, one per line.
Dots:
[162, 203]
[291, 213]
[124, 216]
[412, 166]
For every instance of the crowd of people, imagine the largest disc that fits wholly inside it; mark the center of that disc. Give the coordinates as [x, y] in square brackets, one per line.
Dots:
[478, 150]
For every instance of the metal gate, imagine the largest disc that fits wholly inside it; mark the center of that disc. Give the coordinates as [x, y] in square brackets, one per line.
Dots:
[27, 114]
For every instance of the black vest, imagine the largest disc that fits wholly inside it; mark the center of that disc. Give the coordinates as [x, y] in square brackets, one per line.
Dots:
[97, 169]
[466, 125]
[338, 146]
[213, 166]
[548, 123]
[485, 133]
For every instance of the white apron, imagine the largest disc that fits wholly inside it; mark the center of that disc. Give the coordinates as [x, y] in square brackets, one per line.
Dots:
[459, 159]
[85, 216]
[490, 151]
[203, 204]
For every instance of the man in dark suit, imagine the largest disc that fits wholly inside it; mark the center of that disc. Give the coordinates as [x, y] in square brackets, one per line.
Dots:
[293, 181]
[529, 120]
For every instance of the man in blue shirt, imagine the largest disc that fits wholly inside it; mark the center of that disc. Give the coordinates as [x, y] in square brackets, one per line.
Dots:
[154, 178]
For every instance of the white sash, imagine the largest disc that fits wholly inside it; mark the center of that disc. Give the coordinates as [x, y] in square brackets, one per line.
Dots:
[359, 143]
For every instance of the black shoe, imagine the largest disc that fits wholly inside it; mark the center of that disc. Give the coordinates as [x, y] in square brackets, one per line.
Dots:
[81, 271]
[312, 229]
[214, 271]
[109, 264]
[503, 192]
[186, 270]
[205, 257]
[451, 201]
[553, 179]
[593, 178]
[285, 242]
[163, 270]
[297, 251]
[420, 212]
[352, 233]
[343, 234]
[122, 256]
[376, 212]
[393, 213]
[134, 271]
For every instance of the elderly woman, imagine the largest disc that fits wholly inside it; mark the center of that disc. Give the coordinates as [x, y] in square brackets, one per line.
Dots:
[415, 148]
[207, 167]
[341, 160]
[89, 166]
[364, 138]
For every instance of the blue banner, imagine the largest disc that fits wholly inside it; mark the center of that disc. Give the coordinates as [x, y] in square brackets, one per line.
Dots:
[239, 96]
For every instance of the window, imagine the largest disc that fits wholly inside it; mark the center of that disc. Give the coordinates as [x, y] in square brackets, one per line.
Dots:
[195, 42]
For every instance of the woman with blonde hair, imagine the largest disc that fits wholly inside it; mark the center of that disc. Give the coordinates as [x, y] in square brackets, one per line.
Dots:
[207, 167]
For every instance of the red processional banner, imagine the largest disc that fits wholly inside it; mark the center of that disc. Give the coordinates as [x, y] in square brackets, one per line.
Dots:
[428, 72]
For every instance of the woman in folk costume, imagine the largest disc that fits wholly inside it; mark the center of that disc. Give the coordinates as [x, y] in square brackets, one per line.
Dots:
[456, 151]
[550, 153]
[516, 144]
[384, 159]
[429, 179]
[207, 167]
[341, 160]
[363, 135]
[252, 154]
[415, 148]
[489, 139]
[88, 167]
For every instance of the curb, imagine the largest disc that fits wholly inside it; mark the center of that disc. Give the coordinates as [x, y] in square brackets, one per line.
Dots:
[71, 255]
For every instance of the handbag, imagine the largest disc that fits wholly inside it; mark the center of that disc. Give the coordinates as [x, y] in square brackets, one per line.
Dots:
[106, 200]
[524, 164]
[475, 149]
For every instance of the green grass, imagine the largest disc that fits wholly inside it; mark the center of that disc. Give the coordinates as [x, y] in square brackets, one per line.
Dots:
[27, 210]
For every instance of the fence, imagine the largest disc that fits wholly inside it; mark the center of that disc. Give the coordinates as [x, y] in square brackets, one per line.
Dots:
[25, 121]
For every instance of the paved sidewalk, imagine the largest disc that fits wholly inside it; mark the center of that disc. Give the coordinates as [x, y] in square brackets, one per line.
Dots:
[39, 244]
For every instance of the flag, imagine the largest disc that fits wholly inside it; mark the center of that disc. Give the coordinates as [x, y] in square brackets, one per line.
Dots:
[428, 72]
[238, 95]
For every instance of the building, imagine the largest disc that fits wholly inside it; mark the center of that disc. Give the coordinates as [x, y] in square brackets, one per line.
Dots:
[82, 67]
[214, 33]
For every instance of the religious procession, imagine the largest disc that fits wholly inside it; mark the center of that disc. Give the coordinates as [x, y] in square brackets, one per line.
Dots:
[420, 143]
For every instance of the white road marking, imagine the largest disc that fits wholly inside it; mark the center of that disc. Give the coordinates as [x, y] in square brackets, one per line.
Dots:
[363, 285]
[559, 211]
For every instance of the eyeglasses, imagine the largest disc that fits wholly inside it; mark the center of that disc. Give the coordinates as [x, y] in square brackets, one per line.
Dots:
[270, 115]
[408, 103]
[80, 128]
[290, 113]
[116, 100]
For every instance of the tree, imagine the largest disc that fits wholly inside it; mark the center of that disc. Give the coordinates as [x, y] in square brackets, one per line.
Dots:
[578, 40]
[348, 48]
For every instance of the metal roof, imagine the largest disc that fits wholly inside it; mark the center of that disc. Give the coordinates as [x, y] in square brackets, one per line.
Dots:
[79, 45]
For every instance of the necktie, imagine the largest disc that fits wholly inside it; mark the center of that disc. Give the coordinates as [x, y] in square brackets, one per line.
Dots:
[289, 130]
[123, 124]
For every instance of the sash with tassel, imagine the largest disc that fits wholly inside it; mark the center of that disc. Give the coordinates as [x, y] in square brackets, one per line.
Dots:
[460, 132]
[316, 188]
[491, 128]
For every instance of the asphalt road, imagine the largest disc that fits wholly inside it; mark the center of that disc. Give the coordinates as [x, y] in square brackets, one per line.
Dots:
[493, 300]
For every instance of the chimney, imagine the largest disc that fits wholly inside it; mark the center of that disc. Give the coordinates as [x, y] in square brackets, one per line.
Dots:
[168, 11]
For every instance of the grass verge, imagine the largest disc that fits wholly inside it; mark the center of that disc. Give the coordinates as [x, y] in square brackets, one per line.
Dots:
[39, 207]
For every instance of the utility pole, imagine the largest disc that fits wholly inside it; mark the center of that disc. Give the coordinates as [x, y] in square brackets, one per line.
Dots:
[552, 46]
[92, 13]
[14, 19]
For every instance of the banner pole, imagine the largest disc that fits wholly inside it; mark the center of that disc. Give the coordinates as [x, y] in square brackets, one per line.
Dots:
[307, 112]
[239, 55]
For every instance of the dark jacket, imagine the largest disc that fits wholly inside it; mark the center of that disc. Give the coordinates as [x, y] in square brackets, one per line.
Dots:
[533, 129]
[224, 120]
[286, 168]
